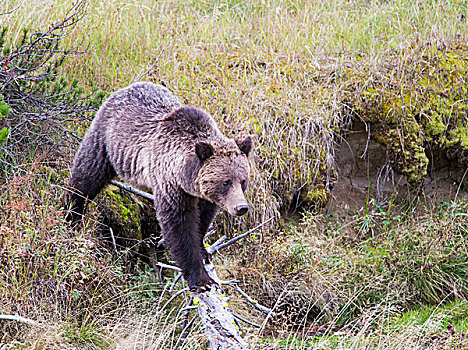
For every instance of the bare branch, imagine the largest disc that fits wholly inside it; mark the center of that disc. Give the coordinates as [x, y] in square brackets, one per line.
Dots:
[245, 321]
[11, 11]
[214, 248]
[255, 303]
[171, 267]
[20, 319]
[211, 249]
[132, 190]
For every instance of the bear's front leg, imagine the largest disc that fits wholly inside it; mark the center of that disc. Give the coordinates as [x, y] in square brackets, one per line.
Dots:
[179, 218]
[207, 212]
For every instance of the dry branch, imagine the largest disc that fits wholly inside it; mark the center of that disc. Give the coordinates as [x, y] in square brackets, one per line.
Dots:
[20, 319]
[133, 190]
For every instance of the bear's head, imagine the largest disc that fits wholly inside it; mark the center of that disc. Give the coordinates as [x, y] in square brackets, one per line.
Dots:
[224, 173]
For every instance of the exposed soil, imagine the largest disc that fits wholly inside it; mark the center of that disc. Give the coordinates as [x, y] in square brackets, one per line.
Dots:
[365, 173]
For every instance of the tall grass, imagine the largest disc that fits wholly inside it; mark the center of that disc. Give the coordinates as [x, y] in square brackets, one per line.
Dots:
[274, 69]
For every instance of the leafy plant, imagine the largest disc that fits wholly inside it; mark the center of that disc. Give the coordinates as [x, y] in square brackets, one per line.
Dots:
[4, 131]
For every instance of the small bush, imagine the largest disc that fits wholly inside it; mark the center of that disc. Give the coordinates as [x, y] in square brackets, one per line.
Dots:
[41, 106]
[4, 131]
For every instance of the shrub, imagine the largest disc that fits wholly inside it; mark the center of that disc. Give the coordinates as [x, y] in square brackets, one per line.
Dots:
[45, 108]
[4, 131]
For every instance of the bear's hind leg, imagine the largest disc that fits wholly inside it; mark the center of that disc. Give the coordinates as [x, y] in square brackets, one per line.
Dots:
[90, 173]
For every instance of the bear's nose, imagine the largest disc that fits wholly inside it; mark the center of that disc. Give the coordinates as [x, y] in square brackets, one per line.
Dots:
[241, 209]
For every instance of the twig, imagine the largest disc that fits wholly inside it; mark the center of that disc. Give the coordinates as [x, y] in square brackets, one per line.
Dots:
[368, 139]
[132, 190]
[188, 308]
[113, 238]
[11, 11]
[214, 248]
[211, 249]
[171, 267]
[245, 321]
[155, 61]
[211, 231]
[20, 319]
[255, 303]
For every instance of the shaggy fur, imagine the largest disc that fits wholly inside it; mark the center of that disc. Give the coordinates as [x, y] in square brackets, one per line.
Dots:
[145, 136]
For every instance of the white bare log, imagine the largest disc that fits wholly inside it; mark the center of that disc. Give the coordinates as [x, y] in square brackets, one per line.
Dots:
[219, 323]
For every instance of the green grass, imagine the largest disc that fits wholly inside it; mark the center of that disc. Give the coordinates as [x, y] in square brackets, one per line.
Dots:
[455, 313]
[282, 71]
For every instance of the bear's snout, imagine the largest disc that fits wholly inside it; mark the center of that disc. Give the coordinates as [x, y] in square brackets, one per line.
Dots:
[241, 209]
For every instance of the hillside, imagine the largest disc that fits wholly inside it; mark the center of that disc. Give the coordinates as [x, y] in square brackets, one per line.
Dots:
[358, 111]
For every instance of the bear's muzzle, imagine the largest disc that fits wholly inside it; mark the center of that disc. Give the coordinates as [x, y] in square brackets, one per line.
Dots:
[241, 209]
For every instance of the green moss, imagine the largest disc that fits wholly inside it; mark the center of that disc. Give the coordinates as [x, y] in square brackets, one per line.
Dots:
[435, 127]
[459, 136]
[414, 104]
[317, 196]
[407, 154]
[124, 208]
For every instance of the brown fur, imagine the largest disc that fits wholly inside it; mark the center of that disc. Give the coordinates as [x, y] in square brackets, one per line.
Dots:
[145, 136]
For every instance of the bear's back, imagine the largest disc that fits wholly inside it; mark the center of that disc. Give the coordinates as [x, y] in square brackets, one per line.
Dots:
[144, 127]
[140, 102]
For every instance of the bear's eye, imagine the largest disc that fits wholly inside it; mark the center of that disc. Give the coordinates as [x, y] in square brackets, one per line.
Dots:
[243, 184]
[227, 183]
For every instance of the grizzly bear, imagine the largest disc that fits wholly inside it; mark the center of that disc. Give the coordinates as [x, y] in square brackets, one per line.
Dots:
[145, 136]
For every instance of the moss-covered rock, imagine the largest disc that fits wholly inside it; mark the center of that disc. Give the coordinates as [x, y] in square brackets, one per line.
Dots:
[130, 222]
[124, 207]
[415, 101]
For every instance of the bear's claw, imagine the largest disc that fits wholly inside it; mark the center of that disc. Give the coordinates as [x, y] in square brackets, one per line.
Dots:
[203, 284]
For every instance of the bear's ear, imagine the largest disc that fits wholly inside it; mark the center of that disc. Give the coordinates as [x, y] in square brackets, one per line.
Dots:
[245, 145]
[204, 151]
